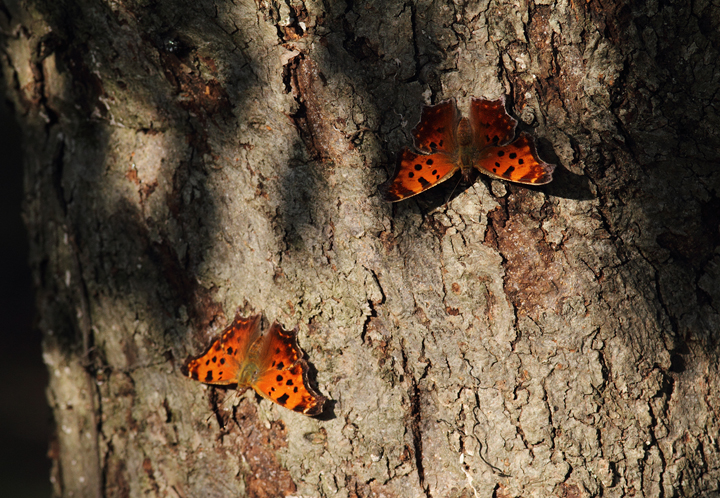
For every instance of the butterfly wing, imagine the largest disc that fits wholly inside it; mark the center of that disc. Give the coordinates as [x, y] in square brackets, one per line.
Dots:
[435, 137]
[282, 374]
[490, 122]
[516, 162]
[221, 363]
[416, 173]
[437, 128]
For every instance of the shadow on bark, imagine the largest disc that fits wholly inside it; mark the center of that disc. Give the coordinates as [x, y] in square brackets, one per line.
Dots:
[663, 106]
[197, 105]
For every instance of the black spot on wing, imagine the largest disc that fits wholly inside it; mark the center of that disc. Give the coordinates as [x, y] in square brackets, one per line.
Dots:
[208, 376]
[283, 399]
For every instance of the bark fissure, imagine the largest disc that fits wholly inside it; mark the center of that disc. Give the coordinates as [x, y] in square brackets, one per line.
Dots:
[416, 74]
[416, 424]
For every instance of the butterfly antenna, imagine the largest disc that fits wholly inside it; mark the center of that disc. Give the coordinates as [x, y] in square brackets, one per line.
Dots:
[227, 400]
[219, 407]
[452, 192]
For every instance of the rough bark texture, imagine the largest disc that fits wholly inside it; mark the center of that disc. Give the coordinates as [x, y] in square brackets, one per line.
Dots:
[185, 159]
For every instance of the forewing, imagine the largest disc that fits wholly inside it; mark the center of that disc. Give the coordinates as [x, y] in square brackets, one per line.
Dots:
[516, 162]
[490, 122]
[220, 364]
[437, 127]
[416, 173]
[283, 373]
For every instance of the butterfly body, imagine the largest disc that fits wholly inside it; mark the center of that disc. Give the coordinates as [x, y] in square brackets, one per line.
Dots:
[445, 142]
[467, 150]
[248, 373]
[270, 362]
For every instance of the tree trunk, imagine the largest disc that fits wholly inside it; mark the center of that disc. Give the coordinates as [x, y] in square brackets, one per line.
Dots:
[186, 159]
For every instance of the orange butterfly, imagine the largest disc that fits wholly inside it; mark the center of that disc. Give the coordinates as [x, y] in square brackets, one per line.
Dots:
[445, 143]
[271, 363]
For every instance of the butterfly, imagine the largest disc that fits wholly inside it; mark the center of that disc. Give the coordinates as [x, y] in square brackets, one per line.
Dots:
[271, 363]
[445, 143]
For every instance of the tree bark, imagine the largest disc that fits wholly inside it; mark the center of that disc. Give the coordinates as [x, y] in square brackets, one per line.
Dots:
[186, 159]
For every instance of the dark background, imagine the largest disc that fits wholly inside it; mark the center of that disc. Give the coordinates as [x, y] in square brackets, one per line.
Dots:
[24, 414]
